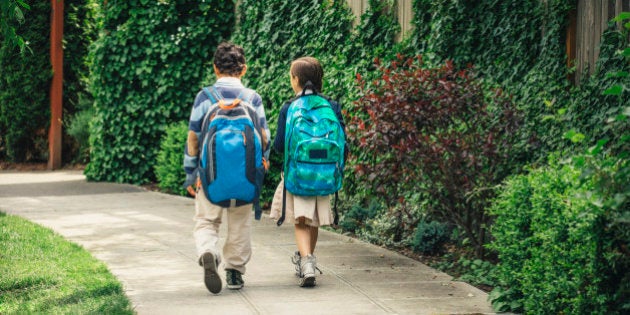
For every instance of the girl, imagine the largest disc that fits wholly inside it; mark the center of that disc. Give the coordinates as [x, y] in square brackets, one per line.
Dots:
[308, 213]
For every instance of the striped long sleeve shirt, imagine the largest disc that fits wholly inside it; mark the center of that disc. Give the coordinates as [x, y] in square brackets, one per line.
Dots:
[229, 88]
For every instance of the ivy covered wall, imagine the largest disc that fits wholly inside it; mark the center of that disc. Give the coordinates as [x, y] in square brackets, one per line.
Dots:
[147, 66]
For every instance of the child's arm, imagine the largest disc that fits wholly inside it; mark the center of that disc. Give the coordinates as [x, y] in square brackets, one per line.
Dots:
[337, 109]
[260, 111]
[191, 151]
[278, 141]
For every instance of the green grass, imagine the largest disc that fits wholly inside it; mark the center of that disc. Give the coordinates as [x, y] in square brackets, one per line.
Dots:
[41, 272]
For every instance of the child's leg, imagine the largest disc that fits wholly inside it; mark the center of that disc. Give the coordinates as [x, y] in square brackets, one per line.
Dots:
[314, 233]
[206, 233]
[207, 222]
[303, 237]
[238, 248]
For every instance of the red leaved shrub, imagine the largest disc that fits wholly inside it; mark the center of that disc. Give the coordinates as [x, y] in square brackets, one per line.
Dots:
[437, 131]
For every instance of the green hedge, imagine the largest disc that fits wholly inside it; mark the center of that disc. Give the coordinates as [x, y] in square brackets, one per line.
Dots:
[147, 66]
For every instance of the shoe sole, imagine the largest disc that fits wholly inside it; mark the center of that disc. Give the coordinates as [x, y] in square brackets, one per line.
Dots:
[307, 281]
[234, 286]
[210, 276]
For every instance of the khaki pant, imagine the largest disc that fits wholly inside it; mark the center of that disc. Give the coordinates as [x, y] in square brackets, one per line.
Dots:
[237, 249]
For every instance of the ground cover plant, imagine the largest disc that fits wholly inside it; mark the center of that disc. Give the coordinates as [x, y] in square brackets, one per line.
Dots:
[43, 273]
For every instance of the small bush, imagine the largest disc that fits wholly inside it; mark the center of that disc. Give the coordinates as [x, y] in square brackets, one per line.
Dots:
[556, 241]
[79, 129]
[357, 216]
[430, 237]
[169, 167]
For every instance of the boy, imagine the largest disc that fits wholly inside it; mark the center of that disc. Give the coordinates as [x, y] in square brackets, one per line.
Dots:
[229, 66]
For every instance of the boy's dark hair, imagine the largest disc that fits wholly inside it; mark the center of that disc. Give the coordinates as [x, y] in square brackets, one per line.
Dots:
[308, 69]
[229, 58]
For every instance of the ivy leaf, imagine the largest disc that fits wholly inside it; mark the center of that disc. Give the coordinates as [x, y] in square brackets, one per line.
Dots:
[574, 136]
[618, 74]
[614, 90]
[622, 16]
[599, 147]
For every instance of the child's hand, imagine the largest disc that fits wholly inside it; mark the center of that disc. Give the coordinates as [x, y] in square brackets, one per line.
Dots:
[276, 204]
[191, 183]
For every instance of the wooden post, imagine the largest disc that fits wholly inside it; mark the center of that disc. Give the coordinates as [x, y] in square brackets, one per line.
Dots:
[56, 87]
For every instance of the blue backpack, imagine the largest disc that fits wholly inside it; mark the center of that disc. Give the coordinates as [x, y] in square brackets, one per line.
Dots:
[313, 148]
[231, 164]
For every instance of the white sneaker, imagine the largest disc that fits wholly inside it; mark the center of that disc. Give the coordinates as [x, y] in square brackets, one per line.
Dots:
[308, 265]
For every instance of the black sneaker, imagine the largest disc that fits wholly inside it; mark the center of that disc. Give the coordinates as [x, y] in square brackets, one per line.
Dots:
[210, 276]
[234, 279]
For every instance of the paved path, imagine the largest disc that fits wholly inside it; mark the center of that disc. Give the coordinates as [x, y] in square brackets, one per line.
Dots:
[145, 238]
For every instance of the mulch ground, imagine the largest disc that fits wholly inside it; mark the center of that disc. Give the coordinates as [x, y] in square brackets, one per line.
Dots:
[33, 166]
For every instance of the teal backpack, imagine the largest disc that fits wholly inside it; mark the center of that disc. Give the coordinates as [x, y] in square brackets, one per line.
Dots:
[313, 149]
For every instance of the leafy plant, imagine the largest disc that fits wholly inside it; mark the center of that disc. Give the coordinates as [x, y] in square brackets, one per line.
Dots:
[474, 271]
[357, 216]
[79, 128]
[430, 237]
[12, 11]
[169, 168]
[434, 126]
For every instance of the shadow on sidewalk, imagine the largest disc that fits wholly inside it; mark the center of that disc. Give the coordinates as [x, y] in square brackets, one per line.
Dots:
[64, 188]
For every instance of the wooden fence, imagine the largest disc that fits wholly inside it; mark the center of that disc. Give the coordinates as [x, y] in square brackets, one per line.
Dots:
[587, 24]
[404, 8]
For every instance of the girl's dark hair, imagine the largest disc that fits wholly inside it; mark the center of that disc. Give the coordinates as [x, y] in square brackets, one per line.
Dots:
[308, 69]
[229, 58]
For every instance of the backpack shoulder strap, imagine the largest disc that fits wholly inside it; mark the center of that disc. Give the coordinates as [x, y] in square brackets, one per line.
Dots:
[213, 94]
[247, 95]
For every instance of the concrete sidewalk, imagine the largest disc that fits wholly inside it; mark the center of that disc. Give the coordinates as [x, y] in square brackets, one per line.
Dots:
[146, 240]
